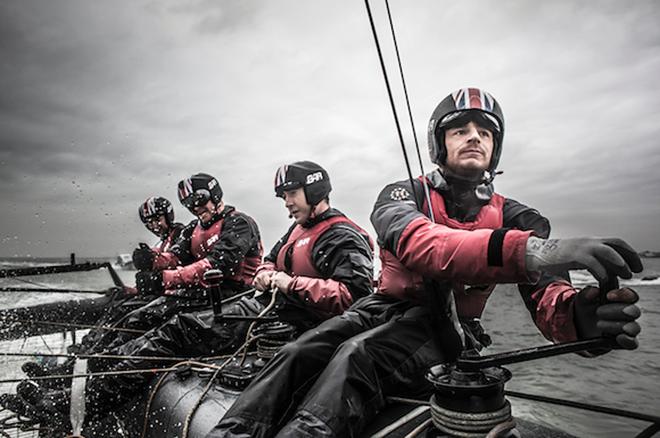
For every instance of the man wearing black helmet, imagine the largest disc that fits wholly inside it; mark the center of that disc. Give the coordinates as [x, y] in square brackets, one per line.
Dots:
[445, 240]
[324, 261]
[220, 238]
[319, 267]
[157, 214]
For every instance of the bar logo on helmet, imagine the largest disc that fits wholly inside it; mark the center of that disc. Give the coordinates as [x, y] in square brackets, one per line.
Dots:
[313, 177]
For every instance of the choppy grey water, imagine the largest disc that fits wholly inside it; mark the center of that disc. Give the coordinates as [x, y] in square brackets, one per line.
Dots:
[620, 379]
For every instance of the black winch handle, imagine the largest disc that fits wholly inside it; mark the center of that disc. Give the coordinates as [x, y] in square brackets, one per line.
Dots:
[213, 278]
[475, 363]
[610, 283]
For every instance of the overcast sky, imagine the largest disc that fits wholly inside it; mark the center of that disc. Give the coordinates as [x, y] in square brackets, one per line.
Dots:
[104, 103]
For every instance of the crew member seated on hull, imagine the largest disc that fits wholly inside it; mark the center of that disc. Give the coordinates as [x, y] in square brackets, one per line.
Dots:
[157, 215]
[221, 238]
[320, 266]
[440, 259]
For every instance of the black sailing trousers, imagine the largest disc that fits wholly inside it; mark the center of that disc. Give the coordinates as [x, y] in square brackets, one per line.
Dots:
[335, 378]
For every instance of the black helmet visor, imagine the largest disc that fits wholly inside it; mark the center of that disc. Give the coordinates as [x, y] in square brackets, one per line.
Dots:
[197, 198]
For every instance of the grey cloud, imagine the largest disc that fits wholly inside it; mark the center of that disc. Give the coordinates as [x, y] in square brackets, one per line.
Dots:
[104, 104]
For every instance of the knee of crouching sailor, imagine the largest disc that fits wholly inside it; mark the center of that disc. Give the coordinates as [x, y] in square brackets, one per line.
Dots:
[352, 349]
[299, 351]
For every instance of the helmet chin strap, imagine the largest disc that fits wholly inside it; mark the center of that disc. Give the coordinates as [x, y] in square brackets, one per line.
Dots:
[454, 178]
[164, 233]
[465, 191]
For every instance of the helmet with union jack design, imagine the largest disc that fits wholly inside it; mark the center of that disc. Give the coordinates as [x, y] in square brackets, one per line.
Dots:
[459, 108]
[156, 206]
[199, 189]
[313, 179]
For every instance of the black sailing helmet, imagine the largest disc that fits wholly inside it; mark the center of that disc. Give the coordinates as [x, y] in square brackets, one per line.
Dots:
[314, 180]
[466, 104]
[156, 206]
[198, 190]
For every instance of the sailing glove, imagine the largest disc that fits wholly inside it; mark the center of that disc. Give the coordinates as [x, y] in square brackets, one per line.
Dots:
[615, 317]
[143, 257]
[149, 282]
[599, 256]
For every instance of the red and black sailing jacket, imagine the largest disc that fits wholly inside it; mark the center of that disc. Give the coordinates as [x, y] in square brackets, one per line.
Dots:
[330, 259]
[231, 243]
[168, 242]
[474, 255]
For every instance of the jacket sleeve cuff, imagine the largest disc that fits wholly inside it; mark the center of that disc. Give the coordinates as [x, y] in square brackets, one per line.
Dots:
[554, 312]
[470, 256]
[190, 275]
[514, 249]
[330, 296]
[164, 260]
[265, 267]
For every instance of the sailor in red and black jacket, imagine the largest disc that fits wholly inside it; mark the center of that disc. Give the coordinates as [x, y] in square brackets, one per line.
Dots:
[445, 240]
[220, 238]
[321, 266]
[157, 215]
[324, 261]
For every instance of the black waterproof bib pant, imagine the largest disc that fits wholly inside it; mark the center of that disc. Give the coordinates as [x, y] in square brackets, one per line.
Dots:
[187, 334]
[335, 378]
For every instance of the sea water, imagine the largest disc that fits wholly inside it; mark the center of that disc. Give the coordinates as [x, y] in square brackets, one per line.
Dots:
[628, 380]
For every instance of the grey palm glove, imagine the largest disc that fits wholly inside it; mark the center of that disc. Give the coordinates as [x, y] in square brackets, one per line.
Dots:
[598, 256]
[615, 317]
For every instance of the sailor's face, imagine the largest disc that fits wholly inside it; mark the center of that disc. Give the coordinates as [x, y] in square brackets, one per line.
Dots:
[205, 212]
[469, 148]
[157, 225]
[296, 203]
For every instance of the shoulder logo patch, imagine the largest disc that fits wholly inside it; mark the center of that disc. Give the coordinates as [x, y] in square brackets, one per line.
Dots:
[399, 194]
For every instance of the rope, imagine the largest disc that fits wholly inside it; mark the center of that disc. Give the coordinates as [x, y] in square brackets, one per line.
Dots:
[95, 356]
[248, 335]
[50, 290]
[248, 340]
[82, 326]
[152, 394]
[407, 401]
[419, 429]
[649, 431]
[586, 407]
[98, 374]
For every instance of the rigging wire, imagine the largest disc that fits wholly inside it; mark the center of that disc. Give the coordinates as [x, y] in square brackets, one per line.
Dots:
[391, 98]
[410, 116]
[445, 300]
[81, 326]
